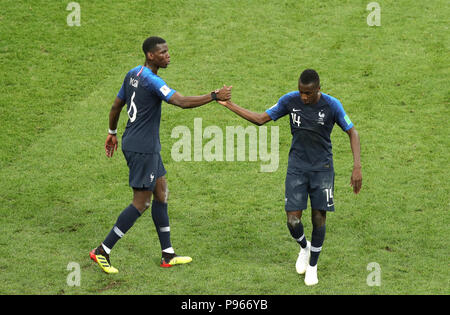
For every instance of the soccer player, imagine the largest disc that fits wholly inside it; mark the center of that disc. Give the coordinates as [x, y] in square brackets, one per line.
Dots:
[310, 171]
[143, 91]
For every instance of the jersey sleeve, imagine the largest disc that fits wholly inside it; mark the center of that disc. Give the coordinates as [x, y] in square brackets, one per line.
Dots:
[161, 88]
[278, 110]
[341, 117]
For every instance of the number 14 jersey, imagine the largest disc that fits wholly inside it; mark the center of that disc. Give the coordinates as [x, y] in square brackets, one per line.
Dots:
[311, 126]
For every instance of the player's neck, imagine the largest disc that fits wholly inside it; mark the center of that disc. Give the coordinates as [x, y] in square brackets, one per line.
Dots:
[152, 67]
[319, 95]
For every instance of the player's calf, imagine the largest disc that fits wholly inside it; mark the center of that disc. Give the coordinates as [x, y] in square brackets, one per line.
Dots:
[295, 227]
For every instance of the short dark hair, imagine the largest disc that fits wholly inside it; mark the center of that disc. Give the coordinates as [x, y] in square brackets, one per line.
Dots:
[150, 43]
[309, 76]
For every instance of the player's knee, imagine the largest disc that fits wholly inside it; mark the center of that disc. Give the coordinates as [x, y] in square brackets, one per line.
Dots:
[166, 195]
[161, 192]
[318, 218]
[293, 221]
[142, 206]
[162, 196]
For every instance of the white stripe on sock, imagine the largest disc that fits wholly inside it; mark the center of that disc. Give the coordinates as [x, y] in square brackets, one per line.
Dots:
[165, 229]
[316, 249]
[118, 232]
[169, 250]
[301, 238]
[107, 250]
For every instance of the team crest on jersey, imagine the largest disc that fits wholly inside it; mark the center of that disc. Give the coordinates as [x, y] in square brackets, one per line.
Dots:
[320, 121]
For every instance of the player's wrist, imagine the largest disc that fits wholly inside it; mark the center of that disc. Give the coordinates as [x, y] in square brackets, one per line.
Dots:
[214, 95]
[112, 132]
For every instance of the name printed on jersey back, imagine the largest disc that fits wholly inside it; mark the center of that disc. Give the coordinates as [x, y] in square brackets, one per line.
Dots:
[134, 82]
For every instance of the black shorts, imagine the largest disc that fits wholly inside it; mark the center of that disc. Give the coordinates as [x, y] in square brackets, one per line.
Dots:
[145, 169]
[319, 186]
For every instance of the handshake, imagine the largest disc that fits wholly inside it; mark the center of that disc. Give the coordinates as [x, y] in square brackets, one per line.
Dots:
[223, 95]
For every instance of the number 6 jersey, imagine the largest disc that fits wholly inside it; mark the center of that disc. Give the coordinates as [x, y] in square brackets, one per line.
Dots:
[143, 91]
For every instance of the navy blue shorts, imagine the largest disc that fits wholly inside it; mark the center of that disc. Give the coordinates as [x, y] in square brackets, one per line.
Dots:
[319, 186]
[145, 169]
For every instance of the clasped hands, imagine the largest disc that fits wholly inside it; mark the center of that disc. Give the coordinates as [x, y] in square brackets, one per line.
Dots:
[224, 94]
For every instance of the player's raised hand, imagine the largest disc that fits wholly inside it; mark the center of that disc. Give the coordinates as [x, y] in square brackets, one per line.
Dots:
[224, 93]
[356, 179]
[111, 145]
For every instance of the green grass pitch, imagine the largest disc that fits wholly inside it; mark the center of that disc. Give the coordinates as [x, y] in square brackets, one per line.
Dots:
[60, 195]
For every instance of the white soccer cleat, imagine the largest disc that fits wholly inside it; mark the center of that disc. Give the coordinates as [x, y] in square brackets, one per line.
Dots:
[303, 258]
[311, 275]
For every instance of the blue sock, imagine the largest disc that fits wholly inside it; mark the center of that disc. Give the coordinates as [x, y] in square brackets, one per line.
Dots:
[124, 222]
[161, 219]
[297, 233]
[318, 236]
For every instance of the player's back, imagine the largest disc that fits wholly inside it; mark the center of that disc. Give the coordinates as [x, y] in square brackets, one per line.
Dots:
[143, 92]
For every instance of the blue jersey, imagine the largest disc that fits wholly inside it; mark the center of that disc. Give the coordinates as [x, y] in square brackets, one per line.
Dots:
[311, 126]
[143, 91]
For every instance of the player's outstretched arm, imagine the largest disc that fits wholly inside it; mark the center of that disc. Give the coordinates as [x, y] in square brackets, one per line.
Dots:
[356, 179]
[256, 118]
[184, 102]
